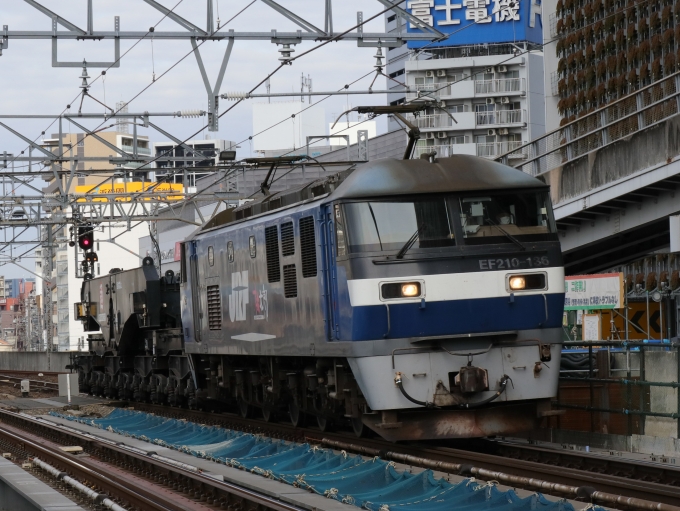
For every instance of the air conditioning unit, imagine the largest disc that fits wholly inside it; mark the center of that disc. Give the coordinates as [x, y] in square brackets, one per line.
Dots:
[489, 70]
[502, 69]
[429, 135]
[503, 131]
[491, 132]
[441, 134]
[441, 72]
[429, 74]
[490, 101]
[505, 100]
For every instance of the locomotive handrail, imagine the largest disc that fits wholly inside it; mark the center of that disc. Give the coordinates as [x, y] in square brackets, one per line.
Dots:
[389, 326]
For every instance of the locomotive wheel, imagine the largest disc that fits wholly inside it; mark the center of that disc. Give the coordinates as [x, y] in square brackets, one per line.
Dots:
[360, 429]
[323, 423]
[297, 418]
[268, 413]
[245, 409]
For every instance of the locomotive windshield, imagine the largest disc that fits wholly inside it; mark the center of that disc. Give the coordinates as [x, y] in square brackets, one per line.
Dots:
[388, 225]
[500, 215]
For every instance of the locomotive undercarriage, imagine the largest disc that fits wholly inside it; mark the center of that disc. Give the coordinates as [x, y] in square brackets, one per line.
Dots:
[276, 388]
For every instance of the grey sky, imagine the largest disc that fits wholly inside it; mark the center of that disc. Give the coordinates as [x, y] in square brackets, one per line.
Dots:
[30, 85]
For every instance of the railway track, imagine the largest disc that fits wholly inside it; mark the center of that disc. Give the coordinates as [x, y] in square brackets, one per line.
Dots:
[15, 378]
[140, 480]
[633, 479]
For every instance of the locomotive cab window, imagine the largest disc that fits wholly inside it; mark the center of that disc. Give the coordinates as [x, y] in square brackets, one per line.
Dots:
[252, 246]
[502, 216]
[379, 226]
[211, 256]
[230, 251]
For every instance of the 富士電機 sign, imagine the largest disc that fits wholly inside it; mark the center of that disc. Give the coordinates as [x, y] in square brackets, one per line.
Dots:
[601, 291]
[478, 21]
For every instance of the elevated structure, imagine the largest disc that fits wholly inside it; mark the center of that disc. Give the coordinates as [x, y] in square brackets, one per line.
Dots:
[613, 107]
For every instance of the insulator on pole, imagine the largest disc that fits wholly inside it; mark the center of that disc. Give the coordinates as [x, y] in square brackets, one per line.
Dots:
[191, 113]
[233, 96]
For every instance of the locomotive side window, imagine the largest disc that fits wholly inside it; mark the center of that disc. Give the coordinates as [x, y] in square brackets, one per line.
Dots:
[388, 226]
[211, 256]
[230, 251]
[252, 246]
[307, 246]
[340, 232]
[287, 239]
[271, 238]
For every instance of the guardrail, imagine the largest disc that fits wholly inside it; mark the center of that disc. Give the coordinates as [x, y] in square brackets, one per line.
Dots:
[635, 112]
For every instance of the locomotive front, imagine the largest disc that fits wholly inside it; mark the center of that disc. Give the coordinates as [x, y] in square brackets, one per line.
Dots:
[448, 286]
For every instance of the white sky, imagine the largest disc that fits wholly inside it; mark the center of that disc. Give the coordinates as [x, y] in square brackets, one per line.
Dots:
[30, 85]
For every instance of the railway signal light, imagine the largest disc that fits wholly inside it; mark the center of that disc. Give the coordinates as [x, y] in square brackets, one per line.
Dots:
[86, 237]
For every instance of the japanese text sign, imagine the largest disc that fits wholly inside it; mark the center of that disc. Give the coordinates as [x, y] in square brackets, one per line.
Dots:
[478, 21]
[602, 291]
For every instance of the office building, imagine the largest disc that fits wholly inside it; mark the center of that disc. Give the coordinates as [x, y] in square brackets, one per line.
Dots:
[486, 79]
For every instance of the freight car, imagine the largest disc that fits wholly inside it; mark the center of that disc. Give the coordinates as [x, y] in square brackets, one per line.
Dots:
[419, 298]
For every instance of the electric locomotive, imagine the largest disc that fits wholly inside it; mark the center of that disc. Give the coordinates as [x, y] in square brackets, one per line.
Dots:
[419, 299]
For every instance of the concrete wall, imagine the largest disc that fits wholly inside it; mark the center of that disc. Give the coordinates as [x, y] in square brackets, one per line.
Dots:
[662, 366]
[34, 361]
[626, 157]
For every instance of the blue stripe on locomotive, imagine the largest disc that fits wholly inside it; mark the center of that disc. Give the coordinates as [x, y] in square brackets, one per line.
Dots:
[452, 317]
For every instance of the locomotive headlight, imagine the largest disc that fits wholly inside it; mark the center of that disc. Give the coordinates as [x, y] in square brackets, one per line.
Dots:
[410, 290]
[397, 290]
[526, 282]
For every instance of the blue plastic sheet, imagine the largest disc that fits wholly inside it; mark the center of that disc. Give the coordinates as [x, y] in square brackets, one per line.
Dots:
[366, 483]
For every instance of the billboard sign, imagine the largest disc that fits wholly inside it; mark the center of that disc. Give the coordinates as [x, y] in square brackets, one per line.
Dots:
[591, 292]
[478, 21]
[125, 192]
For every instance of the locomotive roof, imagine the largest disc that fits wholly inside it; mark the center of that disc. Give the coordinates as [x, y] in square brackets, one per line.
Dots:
[390, 177]
[458, 173]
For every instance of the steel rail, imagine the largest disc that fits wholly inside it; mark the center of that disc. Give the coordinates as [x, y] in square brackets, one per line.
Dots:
[150, 463]
[81, 471]
[35, 383]
[529, 483]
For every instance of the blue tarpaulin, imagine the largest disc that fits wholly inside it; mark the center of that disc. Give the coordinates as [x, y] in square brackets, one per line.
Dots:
[367, 483]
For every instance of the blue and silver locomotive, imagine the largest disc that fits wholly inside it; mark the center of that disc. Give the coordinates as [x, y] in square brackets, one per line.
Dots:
[419, 298]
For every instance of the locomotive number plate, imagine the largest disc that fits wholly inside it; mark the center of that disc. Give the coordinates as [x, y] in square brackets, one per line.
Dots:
[509, 263]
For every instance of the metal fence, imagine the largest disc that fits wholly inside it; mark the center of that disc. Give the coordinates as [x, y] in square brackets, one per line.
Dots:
[613, 122]
[499, 85]
[432, 121]
[501, 117]
[625, 383]
[495, 148]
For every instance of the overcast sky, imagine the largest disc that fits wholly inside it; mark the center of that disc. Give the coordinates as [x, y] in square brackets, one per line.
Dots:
[29, 84]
